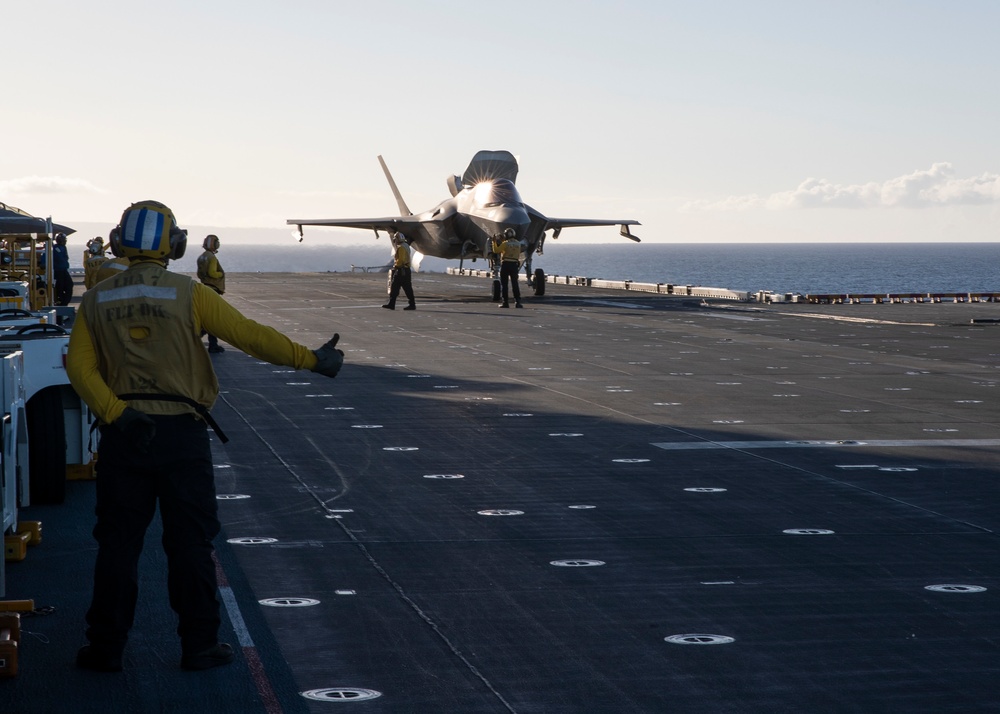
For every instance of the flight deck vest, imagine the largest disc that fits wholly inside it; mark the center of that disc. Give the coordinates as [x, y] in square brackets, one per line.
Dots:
[205, 261]
[91, 266]
[143, 328]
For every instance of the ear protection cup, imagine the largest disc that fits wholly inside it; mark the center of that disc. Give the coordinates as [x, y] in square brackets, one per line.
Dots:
[211, 242]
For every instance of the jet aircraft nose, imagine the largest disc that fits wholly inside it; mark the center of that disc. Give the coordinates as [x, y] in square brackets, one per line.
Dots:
[513, 216]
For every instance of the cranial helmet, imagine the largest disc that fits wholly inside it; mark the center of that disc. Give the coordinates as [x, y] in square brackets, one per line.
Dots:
[96, 246]
[211, 242]
[509, 233]
[148, 229]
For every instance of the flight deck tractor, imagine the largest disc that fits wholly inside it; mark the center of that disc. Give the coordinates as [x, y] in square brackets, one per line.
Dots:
[47, 430]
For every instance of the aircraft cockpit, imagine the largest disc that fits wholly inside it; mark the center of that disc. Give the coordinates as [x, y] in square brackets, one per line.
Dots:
[498, 192]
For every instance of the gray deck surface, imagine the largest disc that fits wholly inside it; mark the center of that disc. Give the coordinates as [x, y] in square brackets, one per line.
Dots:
[661, 449]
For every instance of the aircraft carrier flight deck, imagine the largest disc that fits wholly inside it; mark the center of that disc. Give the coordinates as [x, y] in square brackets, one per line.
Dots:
[604, 502]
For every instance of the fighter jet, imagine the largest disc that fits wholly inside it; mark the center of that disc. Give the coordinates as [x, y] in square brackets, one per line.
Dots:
[484, 204]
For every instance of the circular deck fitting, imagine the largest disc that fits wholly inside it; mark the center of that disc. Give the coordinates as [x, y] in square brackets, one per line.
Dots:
[727, 421]
[444, 477]
[500, 512]
[682, 374]
[479, 399]
[230, 496]
[705, 489]
[638, 362]
[856, 411]
[539, 369]
[576, 563]
[630, 461]
[968, 401]
[729, 384]
[341, 694]
[956, 588]
[417, 376]
[896, 389]
[560, 433]
[786, 395]
[318, 395]
[699, 639]
[581, 507]
[252, 540]
[940, 430]
[400, 448]
[366, 426]
[517, 414]
[298, 384]
[288, 602]
[283, 371]
[445, 386]
[618, 390]
[808, 531]
[223, 466]
[897, 469]
[666, 404]
[338, 409]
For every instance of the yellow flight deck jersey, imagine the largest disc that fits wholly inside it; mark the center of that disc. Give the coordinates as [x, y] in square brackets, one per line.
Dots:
[210, 272]
[140, 332]
[110, 268]
[402, 256]
[91, 265]
[509, 250]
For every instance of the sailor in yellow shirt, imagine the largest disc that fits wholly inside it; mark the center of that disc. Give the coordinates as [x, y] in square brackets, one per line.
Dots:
[509, 250]
[400, 273]
[136, 357]
[93, 259]
[211, 274]
[111, 267]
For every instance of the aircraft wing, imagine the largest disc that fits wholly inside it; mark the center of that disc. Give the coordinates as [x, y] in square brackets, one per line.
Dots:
[388, 223]
[557, 224]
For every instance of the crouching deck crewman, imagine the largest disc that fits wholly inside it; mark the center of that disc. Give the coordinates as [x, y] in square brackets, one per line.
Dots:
[136, 358]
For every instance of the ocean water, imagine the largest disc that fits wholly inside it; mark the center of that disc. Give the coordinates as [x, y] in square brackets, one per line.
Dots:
[819, 268]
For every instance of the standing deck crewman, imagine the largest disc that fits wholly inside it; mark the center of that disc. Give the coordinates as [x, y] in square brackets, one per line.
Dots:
[136, 358]
[211, 274]
[509, 250]
[60, 271]
[401, 277]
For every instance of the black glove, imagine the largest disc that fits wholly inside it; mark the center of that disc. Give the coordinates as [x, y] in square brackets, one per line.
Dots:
[328, 358]
[138, 427]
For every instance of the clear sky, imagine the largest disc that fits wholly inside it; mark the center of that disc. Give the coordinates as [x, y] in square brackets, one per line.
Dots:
[707, 120]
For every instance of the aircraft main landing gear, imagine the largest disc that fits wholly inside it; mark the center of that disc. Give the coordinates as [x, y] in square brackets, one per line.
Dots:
[538, 283]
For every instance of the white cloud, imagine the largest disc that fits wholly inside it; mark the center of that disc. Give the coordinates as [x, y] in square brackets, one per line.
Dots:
[48, 185]
[936, 186]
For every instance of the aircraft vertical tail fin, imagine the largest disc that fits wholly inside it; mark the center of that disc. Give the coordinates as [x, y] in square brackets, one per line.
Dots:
[395, 191]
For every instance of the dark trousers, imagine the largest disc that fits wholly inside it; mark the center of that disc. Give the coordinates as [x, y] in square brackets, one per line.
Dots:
[400, 279]
[177, 472]
[64, 287]
[213, 341]
[508, 272]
